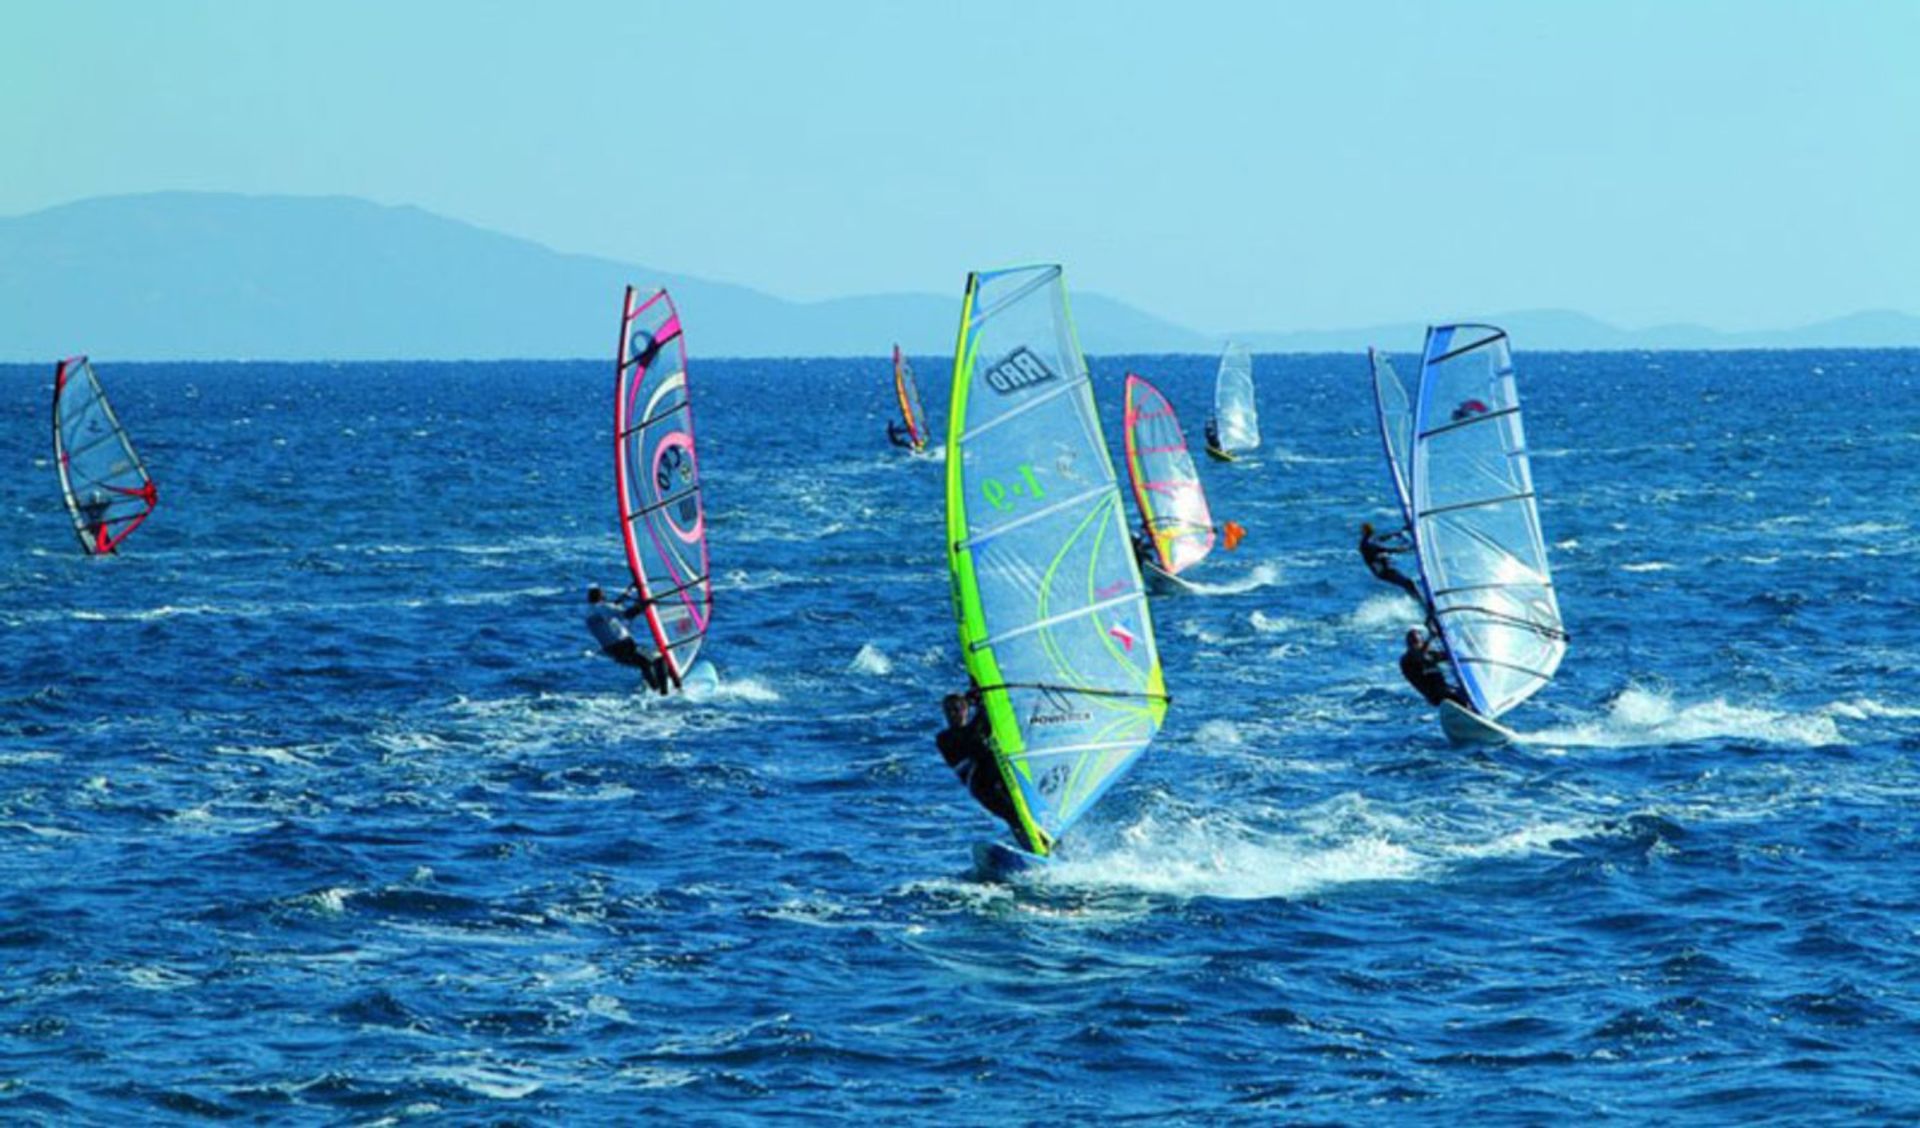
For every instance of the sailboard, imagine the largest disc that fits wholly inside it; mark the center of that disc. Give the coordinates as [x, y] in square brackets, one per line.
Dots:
[1476, 524]
[1051, 611]
[105, 485]
[1173, 504]
[1235, 415]
[1463, 726]
[656, 472]
[907, 389]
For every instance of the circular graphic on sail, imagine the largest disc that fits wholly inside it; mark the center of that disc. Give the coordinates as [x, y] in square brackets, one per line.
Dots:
[673, 471]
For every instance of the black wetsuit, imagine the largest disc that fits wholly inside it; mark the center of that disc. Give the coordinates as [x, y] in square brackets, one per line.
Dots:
[1143, 551]
[1423, 671]
[1213, 435]
[1376, 552]
[899, 436]
[968, 750]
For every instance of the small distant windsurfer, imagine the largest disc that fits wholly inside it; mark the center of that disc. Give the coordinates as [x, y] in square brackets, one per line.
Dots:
[966, 744]
[899, 435]
[1468, 409]
[1375, 550]
[607, 621]
[1423, 664]
[1213, 434]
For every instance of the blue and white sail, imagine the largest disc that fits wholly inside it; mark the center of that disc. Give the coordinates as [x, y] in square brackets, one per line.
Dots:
[1475, 522]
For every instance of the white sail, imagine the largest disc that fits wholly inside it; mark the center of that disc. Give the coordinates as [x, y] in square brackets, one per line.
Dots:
[1234, 411]
[1476, 525]
[1395, 416]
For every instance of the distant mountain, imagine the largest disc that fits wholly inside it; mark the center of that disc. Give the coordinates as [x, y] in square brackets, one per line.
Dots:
[1563, 330]
[187, 275]
[184, 275]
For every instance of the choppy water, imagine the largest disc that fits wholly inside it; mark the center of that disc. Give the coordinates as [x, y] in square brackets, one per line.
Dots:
[315, 805]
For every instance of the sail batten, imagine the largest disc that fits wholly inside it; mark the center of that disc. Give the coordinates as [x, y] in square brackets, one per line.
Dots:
[1048, 602]
[657, 479]
[102, 480]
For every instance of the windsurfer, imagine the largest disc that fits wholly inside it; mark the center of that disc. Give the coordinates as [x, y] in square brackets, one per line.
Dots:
[1144, 552]
[1375, 550]
[899, 436]
[1213, 433]
[605, 620]
[966, 744]
[93, 515]
[1423, 664]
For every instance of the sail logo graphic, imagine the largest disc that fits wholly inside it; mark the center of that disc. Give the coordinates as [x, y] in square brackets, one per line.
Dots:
[1055, 708]
[1122, 635]
[1018, 371]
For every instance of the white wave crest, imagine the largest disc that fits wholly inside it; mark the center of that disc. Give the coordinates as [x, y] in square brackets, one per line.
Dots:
[871, 660]
[1263, 574]
[1272, 624]
[751, 690]
[1210, 856]
[1867, 709]
[1643, 716]
[1381, 611]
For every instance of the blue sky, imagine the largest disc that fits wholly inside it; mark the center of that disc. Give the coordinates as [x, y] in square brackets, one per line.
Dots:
[1229, 166]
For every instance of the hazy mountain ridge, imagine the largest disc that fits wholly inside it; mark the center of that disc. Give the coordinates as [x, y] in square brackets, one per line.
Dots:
[192, 275]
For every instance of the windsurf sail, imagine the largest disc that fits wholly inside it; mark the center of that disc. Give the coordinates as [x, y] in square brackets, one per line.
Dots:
[1476, 525]
[908, 389]
[106, 487]
[1051, 611]
[1396, 427]
[1234, 413]
[1165, 484]
[656, 474]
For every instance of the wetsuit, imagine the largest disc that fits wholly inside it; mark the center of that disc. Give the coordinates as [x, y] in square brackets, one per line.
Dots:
[604, 620]
[968, 750]
[93, 514]
[899, 436]
[1213, 433]
[1143, 551]
[1423, 671]
[1375, 551]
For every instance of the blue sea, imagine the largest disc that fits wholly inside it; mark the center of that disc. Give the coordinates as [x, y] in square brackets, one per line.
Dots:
[317, 806]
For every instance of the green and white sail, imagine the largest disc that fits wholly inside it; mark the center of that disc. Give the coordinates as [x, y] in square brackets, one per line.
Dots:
[1052, 613]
